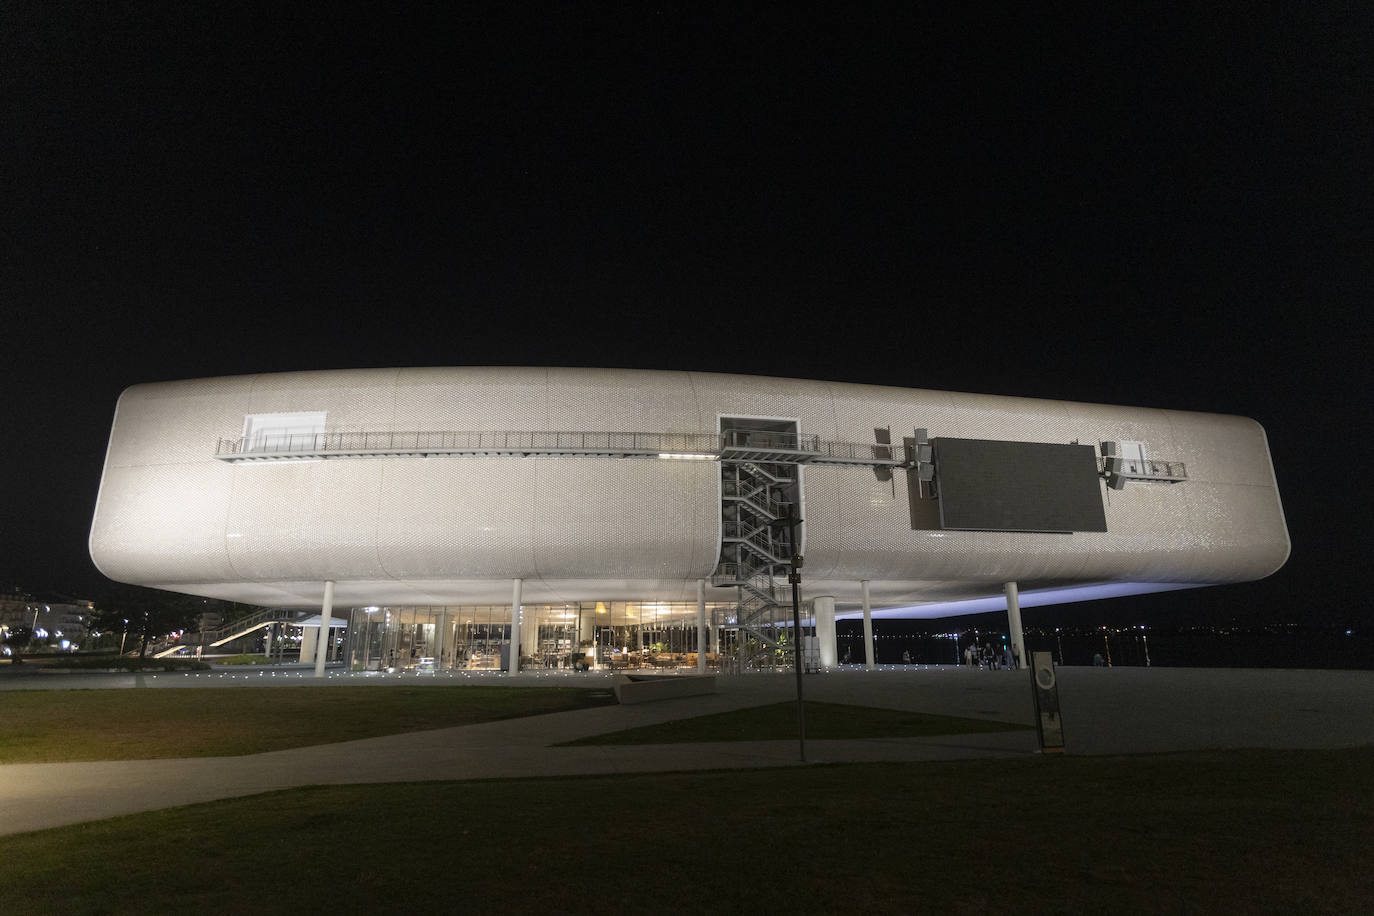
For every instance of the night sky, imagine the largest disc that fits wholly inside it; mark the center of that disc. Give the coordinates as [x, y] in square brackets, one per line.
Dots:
[1088, 204]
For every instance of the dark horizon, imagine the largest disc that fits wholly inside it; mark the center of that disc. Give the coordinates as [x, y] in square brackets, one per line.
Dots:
[1115, 209]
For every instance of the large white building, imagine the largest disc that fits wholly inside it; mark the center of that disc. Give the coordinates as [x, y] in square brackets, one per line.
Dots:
[641, 515]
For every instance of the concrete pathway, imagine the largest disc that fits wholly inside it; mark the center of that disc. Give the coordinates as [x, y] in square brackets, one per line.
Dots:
[1117, 710]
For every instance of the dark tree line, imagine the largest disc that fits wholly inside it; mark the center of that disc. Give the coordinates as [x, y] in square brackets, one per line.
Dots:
[150, 612]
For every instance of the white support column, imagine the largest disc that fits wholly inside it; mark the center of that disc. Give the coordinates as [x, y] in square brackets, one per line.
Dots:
[440, 625]
[701, 626]
[868, 628]
[322, 639]
[824, 609]
[529, 632]
[586, 623]
[308, 641]
[513, 663]
[1018, 641]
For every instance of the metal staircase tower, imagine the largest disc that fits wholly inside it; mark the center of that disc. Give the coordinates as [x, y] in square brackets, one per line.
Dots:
[756, 497]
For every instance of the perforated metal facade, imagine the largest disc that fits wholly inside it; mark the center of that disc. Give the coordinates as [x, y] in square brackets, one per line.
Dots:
[454, 531]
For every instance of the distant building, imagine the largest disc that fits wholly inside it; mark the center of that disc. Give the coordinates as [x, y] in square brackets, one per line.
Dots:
[640, 518]
[57, 621]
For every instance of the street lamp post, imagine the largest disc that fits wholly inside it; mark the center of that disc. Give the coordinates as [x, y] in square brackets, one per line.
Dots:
[794, 576]
[123, 636]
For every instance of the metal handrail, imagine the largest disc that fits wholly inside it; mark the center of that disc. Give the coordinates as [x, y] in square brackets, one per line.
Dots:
[733, 445]
[1161, 468]
[257, 618]
[1138, 469]
[476, 440]
[768, 440]
[729, 573]
[741, 529]
[764, 546]
[756, 498]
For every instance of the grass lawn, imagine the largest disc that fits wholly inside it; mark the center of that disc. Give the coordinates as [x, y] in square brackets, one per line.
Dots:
[778, 721]
[54, 725]
[240, 660]
[1220, 832]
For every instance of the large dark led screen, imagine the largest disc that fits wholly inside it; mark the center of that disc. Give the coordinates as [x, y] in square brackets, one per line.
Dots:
[988, 485]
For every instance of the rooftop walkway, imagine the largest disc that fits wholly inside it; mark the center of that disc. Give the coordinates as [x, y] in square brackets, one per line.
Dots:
[1107, 710]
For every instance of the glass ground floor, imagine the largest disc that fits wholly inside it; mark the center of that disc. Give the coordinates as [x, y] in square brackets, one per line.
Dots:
[596, 635]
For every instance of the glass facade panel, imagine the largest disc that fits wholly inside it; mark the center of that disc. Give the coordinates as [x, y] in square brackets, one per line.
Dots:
[590, 635]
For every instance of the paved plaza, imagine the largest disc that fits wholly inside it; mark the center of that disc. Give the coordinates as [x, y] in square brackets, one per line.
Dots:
[1106, 711]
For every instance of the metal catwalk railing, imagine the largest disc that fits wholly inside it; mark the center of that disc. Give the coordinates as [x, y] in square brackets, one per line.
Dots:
[732, 446]
[1145, 469]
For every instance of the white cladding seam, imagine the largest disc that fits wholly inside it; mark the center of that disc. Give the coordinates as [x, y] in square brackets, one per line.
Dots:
[381, 483]
[439, 530]
[229, 503]
[707, 535]
[534, 515]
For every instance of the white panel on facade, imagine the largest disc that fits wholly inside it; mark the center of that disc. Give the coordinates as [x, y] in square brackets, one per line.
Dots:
[471, 399]
[315, 520]
[168, 423]
[624, 400]
[462, 518]
[605, 518]
[163, 522]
